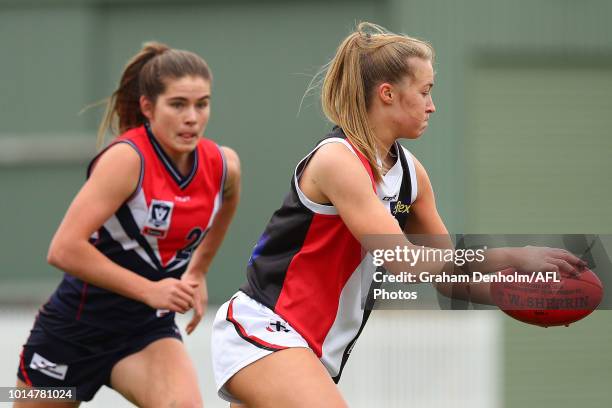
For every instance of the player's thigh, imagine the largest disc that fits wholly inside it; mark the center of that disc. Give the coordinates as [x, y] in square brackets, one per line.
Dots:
[42, 404]
[159, 375]
[291, 378]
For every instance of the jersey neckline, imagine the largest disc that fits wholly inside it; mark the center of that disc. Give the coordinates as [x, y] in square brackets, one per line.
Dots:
[180, 180]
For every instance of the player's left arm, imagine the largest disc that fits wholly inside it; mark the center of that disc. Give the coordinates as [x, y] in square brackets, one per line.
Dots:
[423, 216]
[205, 252]
[425, 221]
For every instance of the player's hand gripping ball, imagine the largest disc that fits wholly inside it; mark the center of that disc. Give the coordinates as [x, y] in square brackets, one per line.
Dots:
[549, 303]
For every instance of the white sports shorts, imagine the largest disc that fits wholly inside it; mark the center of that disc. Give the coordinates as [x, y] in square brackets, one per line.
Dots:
[244, 331]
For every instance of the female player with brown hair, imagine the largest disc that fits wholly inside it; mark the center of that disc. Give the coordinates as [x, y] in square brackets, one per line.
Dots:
[137, 242]
[284, 338]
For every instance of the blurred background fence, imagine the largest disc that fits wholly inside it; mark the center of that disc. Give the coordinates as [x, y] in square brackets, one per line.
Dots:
[521, 143]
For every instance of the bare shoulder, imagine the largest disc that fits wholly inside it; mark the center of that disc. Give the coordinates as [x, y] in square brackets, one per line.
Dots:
[424, 217]
[423, 181]
[333, 174]
[117, 170]
[112, 181]
[232, 160]
[332, 157]
[334, 168]
[119, 158]
[230, 155]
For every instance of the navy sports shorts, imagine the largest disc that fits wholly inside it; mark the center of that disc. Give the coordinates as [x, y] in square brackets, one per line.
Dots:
[67, 353]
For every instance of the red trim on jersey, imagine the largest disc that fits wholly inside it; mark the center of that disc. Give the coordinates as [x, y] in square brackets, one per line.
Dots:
[316, 277]
[83, 296]
[248, 337]
[23, 370]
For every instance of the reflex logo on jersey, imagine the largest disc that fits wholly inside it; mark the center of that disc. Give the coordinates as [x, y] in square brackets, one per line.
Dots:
[57, 371]
[158, 220]
[397, 207]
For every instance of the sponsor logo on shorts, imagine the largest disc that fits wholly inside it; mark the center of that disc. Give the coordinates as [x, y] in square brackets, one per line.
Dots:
[390, 198]
[57, 371]
[277, 326]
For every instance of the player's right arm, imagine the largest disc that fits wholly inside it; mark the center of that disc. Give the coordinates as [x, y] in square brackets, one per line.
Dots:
[335, 174]
[113, 180]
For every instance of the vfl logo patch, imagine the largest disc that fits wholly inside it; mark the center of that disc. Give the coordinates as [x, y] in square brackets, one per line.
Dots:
[57, 371]
[158, 219]
[397, 207]
[277, 326]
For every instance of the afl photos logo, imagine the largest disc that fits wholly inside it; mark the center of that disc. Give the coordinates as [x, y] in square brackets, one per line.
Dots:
[158, 219]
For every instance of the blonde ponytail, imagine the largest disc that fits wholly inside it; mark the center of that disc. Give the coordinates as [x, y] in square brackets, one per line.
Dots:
[366, 57]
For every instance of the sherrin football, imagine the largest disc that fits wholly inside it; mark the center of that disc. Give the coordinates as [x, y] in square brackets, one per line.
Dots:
[549, 303]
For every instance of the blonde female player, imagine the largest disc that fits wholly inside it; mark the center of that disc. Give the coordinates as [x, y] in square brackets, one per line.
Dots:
[136, 243]
[284, 338]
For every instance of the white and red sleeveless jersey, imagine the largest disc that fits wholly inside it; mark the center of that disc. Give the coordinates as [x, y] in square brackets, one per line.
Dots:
[306, 265]
[153, 233]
